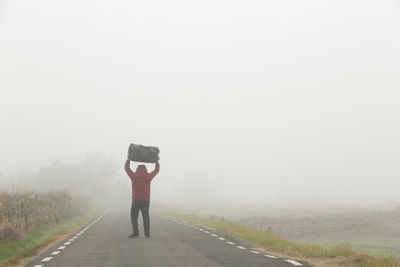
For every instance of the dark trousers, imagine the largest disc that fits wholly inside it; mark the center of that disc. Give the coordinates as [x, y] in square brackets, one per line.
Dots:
[143, 206]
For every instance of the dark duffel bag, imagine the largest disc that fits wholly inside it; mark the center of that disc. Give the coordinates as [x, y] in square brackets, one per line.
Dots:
[147, 154]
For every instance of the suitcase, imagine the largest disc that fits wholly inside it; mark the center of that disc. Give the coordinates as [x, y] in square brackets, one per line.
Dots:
[147, 154]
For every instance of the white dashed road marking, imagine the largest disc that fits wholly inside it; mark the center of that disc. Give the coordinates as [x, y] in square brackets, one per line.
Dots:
[294, 262]
[231, 243]
[270, 256]
[70, 240]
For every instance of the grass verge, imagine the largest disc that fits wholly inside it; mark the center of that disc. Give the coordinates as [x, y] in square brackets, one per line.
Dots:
[340, 255]
[12, 252]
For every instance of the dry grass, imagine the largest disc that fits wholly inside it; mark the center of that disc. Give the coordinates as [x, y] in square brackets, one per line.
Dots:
[22, 213]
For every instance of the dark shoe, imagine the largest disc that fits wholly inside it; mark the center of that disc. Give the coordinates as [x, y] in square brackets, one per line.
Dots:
[133, 236]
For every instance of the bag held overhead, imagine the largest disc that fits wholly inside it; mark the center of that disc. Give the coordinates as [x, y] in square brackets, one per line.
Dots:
[147, 154]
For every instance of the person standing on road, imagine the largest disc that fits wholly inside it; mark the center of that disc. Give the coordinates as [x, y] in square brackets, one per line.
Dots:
[141, 181]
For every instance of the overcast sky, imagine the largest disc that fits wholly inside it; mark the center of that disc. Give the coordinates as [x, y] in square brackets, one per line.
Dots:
[259, 102]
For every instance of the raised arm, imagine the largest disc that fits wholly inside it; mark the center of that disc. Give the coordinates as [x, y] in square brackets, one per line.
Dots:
[156, 170]
[128, 169]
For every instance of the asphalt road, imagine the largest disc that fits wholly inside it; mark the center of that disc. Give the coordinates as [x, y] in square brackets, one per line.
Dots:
[105, 242]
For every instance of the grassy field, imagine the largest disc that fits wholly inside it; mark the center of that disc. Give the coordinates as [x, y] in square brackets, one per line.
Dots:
[339, 255]
[12, 252]
[373, 231]
[372, 246]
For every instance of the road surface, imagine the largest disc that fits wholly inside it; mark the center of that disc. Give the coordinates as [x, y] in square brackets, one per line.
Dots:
[105, 242]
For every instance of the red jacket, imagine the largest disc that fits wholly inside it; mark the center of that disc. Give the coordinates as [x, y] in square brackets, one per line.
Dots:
[141, 180]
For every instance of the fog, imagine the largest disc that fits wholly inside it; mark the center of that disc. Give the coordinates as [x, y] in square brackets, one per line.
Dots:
[250, 102]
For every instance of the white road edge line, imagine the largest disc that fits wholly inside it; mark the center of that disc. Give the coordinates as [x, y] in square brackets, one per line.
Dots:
[38, 266]
[294, 262]
[270, 256]
[72, 239]
[239, 247]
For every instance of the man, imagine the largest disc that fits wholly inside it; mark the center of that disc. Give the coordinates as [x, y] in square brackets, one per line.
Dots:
[141, 181]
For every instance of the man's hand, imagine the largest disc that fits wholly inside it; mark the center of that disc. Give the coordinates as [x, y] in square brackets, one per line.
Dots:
[127, 155]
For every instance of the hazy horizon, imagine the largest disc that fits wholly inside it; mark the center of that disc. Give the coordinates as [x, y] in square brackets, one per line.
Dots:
[250, 102]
